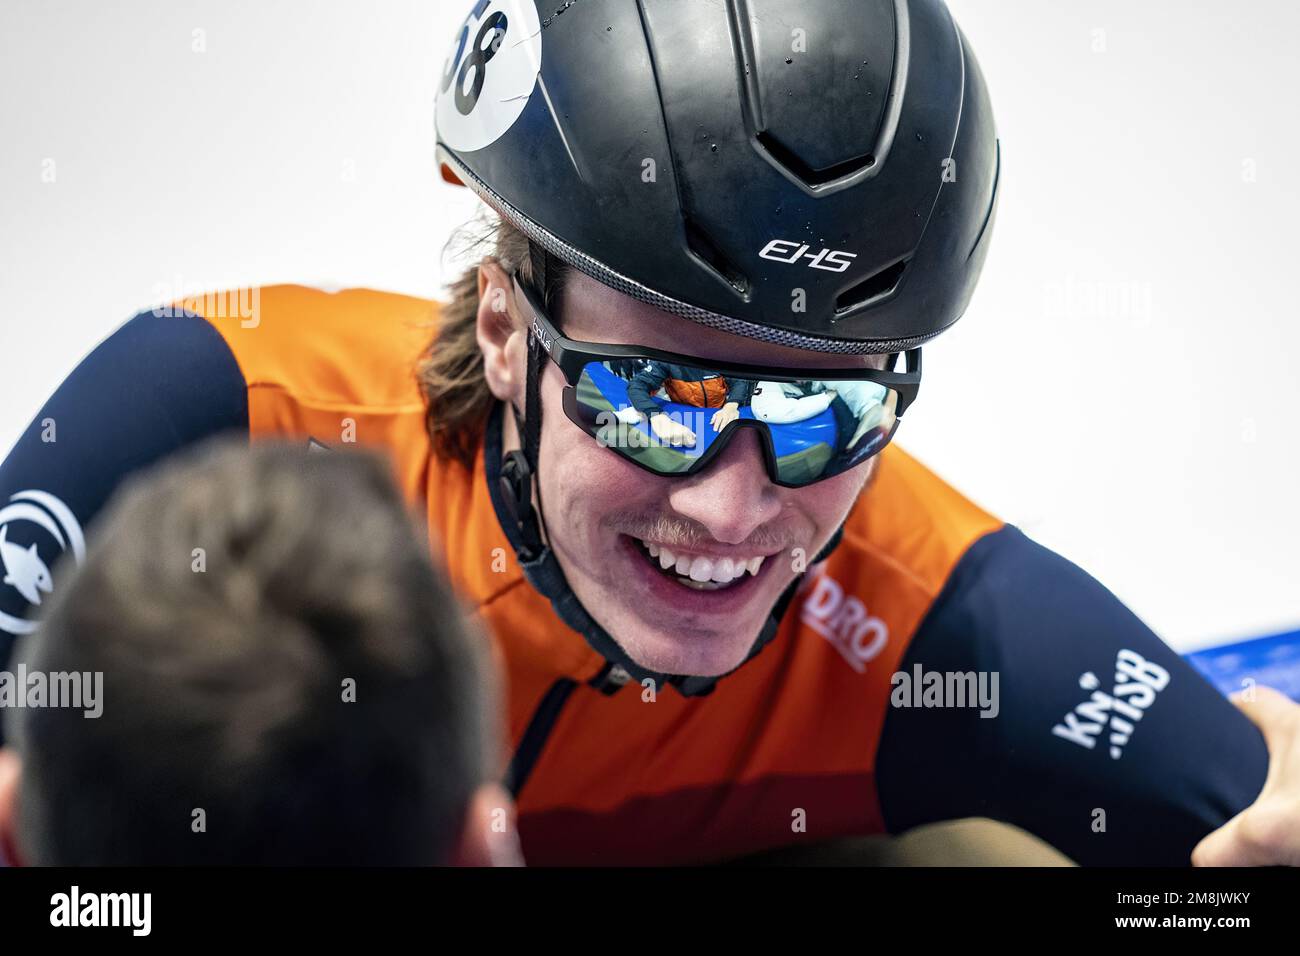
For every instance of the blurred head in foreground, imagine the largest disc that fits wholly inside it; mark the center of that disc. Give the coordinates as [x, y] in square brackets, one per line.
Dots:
[286, 680]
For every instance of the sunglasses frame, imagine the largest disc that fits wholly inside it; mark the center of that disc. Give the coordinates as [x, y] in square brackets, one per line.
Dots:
[571, 356]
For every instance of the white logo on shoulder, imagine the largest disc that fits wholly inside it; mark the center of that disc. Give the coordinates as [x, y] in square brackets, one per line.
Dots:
[1137, 682]
[490, 74]
[843, 620]
[21, 564]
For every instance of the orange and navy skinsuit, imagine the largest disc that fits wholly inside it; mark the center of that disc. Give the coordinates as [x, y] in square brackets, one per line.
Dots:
[686, 386]
[1095, 736]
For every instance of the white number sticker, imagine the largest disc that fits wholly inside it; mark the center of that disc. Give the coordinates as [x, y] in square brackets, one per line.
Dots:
[490, 73]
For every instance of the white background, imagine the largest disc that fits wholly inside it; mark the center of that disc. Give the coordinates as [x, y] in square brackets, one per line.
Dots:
[1123, 386]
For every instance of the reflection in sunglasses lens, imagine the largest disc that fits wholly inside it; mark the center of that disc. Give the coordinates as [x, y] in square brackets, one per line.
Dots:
[666, 417]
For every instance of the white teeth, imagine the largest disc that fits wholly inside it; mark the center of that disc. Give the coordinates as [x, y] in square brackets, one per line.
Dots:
[702, 573]
[700, 585]
[701, 569]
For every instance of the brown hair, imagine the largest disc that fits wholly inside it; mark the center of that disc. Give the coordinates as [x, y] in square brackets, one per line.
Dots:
[451, 370]
[227, 680]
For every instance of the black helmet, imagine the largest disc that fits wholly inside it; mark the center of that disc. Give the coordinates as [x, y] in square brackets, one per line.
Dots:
[815, 173]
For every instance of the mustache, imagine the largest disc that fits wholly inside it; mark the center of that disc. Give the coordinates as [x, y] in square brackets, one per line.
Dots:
[773, 537]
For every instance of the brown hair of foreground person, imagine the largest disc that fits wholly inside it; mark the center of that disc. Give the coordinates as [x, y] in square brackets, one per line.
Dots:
[286, 680]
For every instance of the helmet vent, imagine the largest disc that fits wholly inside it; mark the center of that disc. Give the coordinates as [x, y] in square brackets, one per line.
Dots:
[793, 164]
[707, 251]
[872, 287]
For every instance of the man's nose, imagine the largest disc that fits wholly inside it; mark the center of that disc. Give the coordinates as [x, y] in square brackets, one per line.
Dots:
[732, 497]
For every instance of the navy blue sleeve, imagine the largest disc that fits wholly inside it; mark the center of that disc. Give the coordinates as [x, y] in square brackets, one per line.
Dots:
[740, 391]
[644, 384]
[1078, 724]
[156, 385]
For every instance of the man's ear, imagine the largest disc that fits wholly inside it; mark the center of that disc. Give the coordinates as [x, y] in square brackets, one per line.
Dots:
[11, 771]
[504, 344]
[490, 837]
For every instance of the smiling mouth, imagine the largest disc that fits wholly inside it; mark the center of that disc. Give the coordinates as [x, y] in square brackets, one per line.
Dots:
[697, 572]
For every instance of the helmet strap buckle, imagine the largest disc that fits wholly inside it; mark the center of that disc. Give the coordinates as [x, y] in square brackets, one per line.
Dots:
[517, 496]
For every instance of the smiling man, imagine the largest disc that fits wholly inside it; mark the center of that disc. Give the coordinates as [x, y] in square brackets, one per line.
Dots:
[744, 225]
[683, 566]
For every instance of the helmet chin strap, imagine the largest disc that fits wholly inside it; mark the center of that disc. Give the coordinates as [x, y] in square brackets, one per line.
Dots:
[510, 483]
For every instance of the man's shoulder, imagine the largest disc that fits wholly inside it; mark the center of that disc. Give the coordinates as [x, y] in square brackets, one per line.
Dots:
[919, 557]
[903, 540]
[911, 525]
[350, 349]
[331, 369]
[914, 522]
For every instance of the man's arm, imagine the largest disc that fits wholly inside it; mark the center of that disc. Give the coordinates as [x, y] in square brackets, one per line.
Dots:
[1105, 743]
[644, 384]
[156, 385]
[739, 391]
[1267, 833]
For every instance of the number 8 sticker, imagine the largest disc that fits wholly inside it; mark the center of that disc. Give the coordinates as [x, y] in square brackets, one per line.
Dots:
[490, 74]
